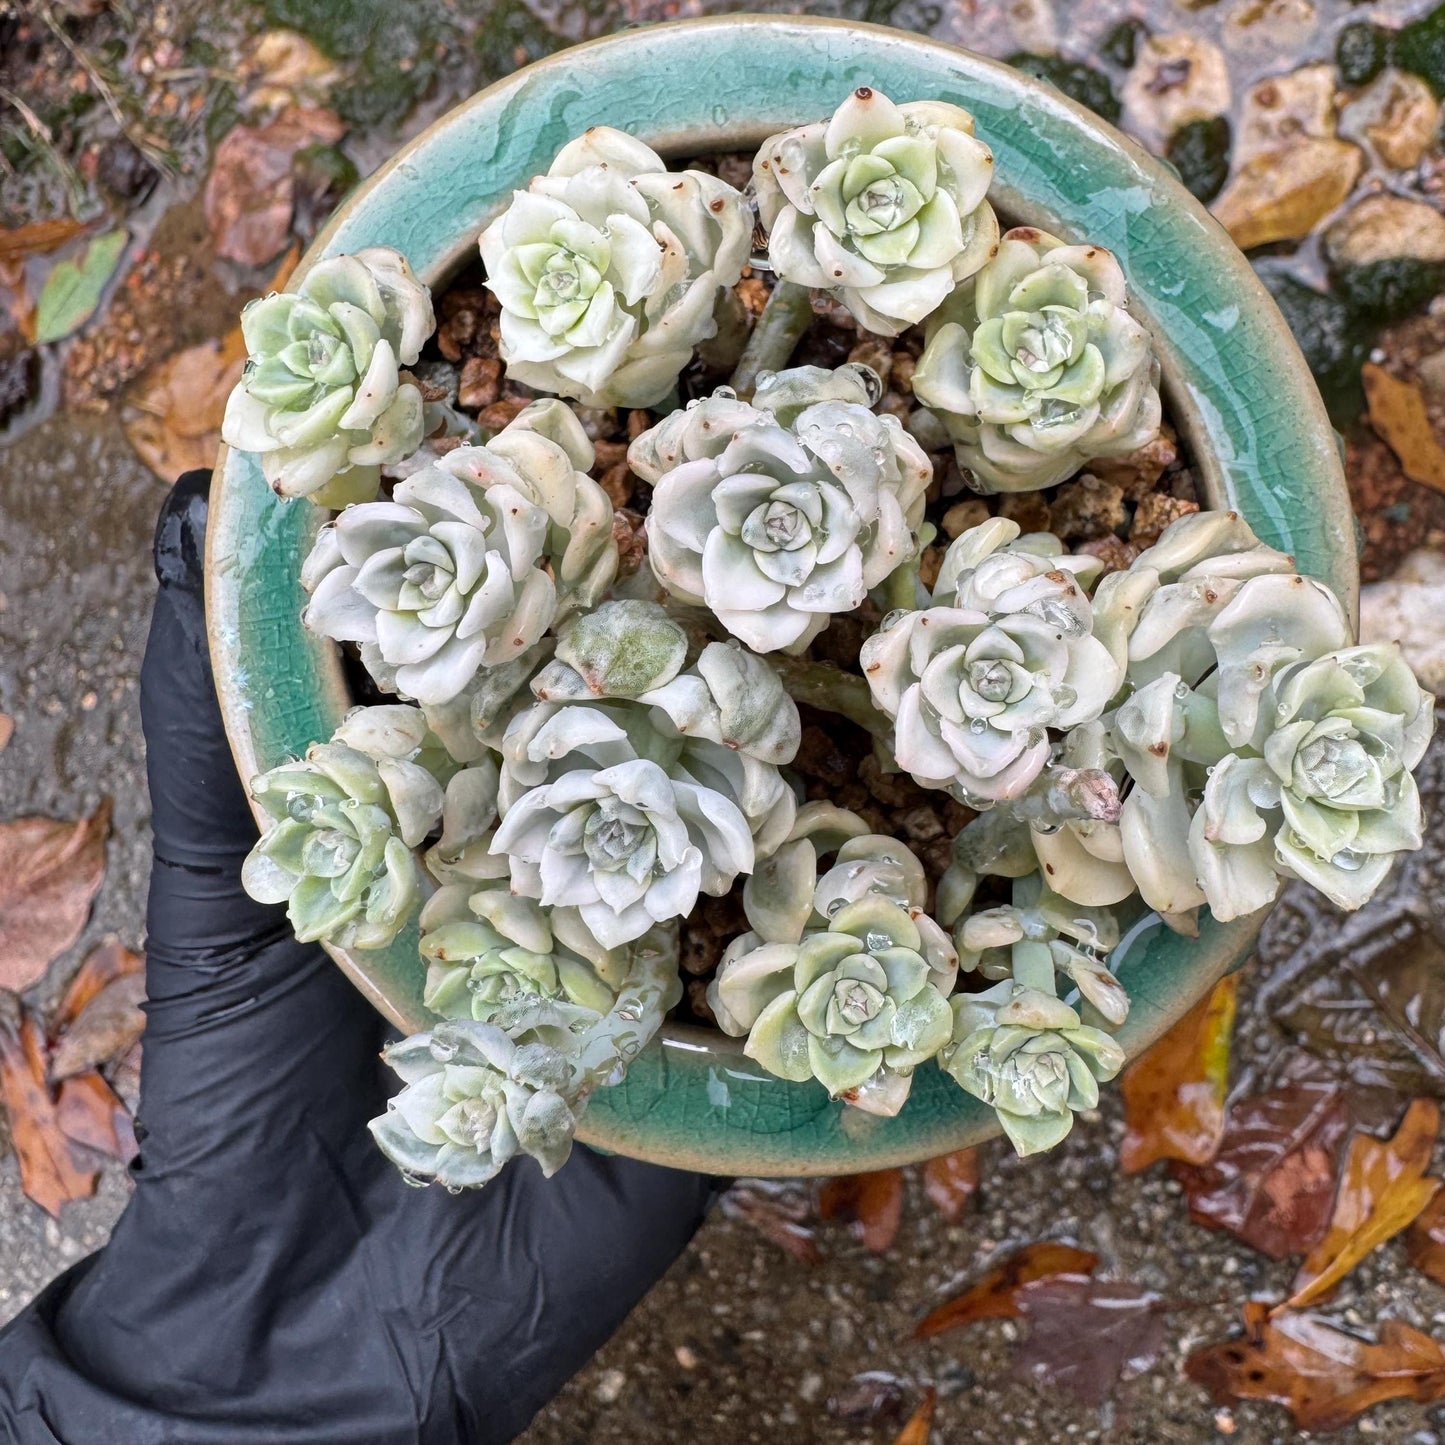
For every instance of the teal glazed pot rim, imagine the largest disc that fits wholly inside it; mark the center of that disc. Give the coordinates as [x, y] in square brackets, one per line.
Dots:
[1236, 383]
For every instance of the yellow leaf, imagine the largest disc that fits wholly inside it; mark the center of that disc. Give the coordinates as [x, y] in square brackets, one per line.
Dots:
[1397, 413]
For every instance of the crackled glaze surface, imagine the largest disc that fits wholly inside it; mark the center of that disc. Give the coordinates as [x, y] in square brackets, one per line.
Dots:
[1236, 383]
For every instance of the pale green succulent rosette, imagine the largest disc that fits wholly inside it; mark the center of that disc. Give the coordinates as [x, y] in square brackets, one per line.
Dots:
[471, 562]
[1331, 801]
[322, 400]
[1031, 1059]
[1038, 367]
[858, 999]
[339, 852]
[883, 204]
[477, 1094]
[609, 269]
[774, 527]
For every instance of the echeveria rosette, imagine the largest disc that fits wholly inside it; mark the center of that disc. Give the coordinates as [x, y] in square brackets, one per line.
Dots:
[854, 1005]
[776, 527]
[622, 811]
[1031, 1059]
[1331, 801]
[476, 1094]
[339, 850]
[1038, 367]
[973, 698]
[322, 400]
[609, 269]
[882, 204]
[471, 561]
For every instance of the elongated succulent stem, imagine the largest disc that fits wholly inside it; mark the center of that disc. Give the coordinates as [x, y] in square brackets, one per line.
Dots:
[900, 587]
[787, 315]
[1033, 966]
[822, 686]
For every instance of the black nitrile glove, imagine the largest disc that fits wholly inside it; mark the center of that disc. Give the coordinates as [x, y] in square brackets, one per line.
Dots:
[273, 1279]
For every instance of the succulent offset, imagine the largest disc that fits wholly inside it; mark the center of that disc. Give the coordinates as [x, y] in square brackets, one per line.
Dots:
[322, 400]
[585, 752]
[883, 204]
[609, 269]
[1038, 367]
[774, 525]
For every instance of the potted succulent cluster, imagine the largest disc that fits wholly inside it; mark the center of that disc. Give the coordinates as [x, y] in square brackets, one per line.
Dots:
[577, 753]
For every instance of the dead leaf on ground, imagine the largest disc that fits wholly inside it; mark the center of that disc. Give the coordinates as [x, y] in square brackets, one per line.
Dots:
[872, 1203]
[49, 873]
[949, 1182]
[1425, 1239]
[780, 1211]
[1398, 414]
[1321, 1375]
[251, 191]
[106, 1029]
[51, 1173]
[995, 1294]
[109, 960]
[7, 730]
[1086, 1335]
[919, 1428]
[174, 419]
[1272, 1180]
[89, 1113]
[1174, 1094]
[283, 67]
[37, 238]
[1383, 1188]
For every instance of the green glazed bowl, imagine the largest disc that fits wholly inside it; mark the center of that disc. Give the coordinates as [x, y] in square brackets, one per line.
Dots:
[1237, 385]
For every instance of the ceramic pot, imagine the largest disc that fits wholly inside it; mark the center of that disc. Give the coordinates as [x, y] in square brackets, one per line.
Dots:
[1235, 382]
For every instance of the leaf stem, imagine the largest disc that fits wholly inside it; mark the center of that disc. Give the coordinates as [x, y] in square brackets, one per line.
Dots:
[787, 315]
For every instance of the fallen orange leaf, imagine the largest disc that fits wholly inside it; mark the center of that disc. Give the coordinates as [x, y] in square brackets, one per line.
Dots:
[37, 238]
[949, 1182]
[995, 1294]
[88, 1112]
[50, 1172]
[873, 1203]
[106, 1030]
[1321, 1375]
[1382, 1189]
[919, 1428]
[1174, 1094]
[1398, 414]
[49, 873]
[1425, 1241]
[7, 730]
[109, 960]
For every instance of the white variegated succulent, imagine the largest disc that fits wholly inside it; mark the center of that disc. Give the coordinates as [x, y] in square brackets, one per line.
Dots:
[609, 269]
[1037, 367]
[345, 819]
[322, 400]
[471, 562]
[975, 683]
[1031, 1058]
[882, 204]
[625, 810]
[775, 527]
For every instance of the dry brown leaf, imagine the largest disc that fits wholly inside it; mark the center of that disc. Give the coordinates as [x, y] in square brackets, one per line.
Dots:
[174, 420]
[1398, 414]
[1382, 1189]
[994, 1295]
[949, 1182]
[1281, 194]
[1174, 1094]
[89, 1113]
[38, 238]
[919, 1429]
[49, 873]
[250, 192]
[1321, 1375]
[872, 1203]
[51, 1173]
[780, 1211]
[109, 960]
[107, 1028]
[7, 730]
[1425, 1239]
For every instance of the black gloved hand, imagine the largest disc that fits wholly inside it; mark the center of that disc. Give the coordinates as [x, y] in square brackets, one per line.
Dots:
[273, 1279]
